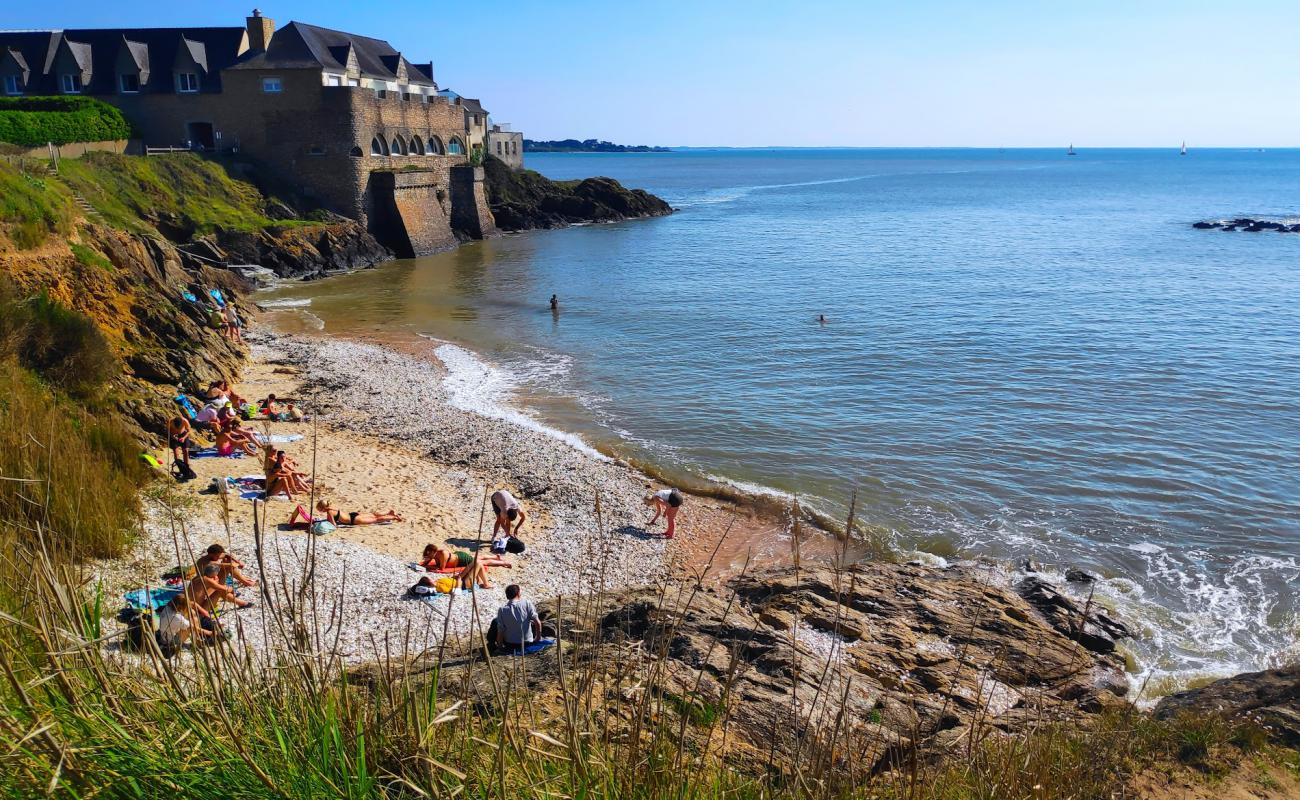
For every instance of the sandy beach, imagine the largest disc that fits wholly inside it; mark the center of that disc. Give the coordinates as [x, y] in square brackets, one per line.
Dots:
[382, 435]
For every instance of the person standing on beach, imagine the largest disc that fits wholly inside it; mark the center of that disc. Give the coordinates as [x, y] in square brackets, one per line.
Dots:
[508, 511]
[666, 502]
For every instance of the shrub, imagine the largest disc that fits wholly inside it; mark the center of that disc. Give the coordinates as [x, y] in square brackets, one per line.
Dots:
[33, 121]
[61, 345]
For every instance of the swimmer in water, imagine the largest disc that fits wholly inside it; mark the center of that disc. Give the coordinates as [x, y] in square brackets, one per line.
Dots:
[821, 318]
[555, 303]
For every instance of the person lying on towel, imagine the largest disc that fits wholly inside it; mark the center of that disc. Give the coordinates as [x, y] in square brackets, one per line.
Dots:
[337, 517]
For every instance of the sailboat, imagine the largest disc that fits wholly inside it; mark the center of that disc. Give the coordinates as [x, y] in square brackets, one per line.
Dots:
[1071, 152]
[1183, 152]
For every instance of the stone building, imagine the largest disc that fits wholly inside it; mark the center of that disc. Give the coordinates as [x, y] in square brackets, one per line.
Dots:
[346, 120]
[506, 144]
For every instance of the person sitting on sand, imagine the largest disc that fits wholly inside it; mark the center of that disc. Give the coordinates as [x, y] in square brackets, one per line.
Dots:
[179, 622]
[337, 517]
[219, 390]
[666, 502]
[281, 477]
[507, 510]
[207, 417]
[227, 565]
[517, 622]
[231, 440]
[178, 440]
[206, 592]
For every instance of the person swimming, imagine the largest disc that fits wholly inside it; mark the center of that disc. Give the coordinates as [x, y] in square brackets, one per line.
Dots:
[821, 318]
[555, 303]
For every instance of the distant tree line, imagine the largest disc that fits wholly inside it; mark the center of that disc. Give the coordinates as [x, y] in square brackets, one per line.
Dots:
[587, 146]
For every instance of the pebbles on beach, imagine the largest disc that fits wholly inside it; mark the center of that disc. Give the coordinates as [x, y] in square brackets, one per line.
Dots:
[380, 397]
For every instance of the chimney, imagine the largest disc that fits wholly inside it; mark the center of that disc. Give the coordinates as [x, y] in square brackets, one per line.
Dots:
[260, 31]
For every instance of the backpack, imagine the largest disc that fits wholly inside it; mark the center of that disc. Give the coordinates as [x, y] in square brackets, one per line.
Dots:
[138, 623]
[322, 526]
[515, 545]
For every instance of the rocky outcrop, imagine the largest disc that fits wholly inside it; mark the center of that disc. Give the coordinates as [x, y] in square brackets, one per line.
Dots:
[524, 200]
[1090, 625]
[1270, 699]
[1248, 225]
[885, 659]
[302, 251]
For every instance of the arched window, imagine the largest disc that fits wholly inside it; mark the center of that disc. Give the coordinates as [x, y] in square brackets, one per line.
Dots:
[399, 148]
[356, 152]
[435, 146]
[455, 147]
[417, 146]
[378, 147]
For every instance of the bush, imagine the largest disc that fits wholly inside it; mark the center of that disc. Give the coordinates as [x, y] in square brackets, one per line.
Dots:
[61, 345]
[33, 121]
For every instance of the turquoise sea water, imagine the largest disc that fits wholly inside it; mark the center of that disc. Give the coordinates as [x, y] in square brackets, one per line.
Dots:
[1026, 356]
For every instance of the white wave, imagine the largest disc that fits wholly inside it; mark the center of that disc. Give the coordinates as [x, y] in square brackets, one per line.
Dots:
[478, 387]
[313, 320]
[1145, 547]
[286, 302]
[732, 193]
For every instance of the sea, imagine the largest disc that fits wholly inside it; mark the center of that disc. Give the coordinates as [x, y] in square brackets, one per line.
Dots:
[1009, 354]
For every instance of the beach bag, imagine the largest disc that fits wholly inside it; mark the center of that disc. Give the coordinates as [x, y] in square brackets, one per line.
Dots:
[322, 526]
[515, 545]
[138, 625]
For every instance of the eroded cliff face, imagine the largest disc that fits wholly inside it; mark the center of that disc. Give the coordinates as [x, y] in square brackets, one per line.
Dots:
[308, 252]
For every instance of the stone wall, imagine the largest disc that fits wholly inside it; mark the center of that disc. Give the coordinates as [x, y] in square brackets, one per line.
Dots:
[470, 215]
[411, 211]
[79, 149]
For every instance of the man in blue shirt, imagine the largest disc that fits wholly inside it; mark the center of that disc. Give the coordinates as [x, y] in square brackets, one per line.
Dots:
[517, 621]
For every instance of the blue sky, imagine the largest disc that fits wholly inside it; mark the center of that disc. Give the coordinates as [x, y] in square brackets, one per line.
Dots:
[1138, 73]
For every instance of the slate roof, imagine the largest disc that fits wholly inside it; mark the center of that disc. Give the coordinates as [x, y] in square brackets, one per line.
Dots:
[472, 105]
[214, 48]
[302, 46]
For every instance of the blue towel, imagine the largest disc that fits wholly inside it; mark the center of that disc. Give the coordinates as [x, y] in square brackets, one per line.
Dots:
[533, 648]
[211, 452]
[190, 296]
[151, 599]
[216, 295]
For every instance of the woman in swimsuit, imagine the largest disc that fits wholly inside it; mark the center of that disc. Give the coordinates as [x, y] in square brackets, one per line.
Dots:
[282, 479]
[356, 517]
[436, 559]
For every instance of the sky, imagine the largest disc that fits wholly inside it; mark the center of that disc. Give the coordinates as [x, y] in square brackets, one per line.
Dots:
[822, 72]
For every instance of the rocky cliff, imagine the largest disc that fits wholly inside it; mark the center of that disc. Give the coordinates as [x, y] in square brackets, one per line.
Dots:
[524, 199]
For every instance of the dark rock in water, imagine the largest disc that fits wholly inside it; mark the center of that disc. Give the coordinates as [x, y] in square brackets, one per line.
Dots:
[1029, 565]
[1092, 627]
[1247, 224]
[1270, 698]
[524, 199]
[311, 251]
[1079, 576]
[1229, 227]
[1205, 225]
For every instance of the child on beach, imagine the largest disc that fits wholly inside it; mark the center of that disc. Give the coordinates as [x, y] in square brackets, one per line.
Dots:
[666, 502]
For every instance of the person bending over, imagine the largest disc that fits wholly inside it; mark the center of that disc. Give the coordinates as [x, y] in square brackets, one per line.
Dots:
[179, 622]
[227, 565]
[337, 517]
[666, 502]
[508, 511]
[178, 439]
[517, 622]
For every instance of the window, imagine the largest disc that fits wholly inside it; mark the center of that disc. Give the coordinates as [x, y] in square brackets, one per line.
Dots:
[129, 83]
[399, 147]
[271, 86]
[354, 81]
[11, 85]
[334, 80]
[187, 82]
[378, 147]
[417, 146]
[435, 146]
[355, 152]
[71, 83]
[315, 150]
[498, 148]
[455, 148]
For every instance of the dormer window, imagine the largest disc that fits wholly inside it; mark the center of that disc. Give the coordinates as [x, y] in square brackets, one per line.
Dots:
[272, 86]
[129, 83]
[71, 83]
[187, 82]
[12, 86]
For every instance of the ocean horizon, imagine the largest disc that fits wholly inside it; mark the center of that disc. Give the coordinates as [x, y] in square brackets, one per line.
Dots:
[1027, 356]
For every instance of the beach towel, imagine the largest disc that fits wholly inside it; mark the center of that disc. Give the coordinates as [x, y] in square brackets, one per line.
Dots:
[300, 520]
[150, 599]
[529, 649]
[276, 438]
[211, 452]
[151, 461]
[188, 295]
[186, 406]
[216, 295]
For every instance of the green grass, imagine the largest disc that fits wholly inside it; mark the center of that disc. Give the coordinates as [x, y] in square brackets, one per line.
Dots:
[90, 258]
[181, 194]
[32, 208]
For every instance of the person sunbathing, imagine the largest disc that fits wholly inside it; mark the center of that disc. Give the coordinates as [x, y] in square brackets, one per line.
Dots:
[437, 559]
[230, 440]
[282, 478]
[337, 517]
[206, 592]
[227, 565]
